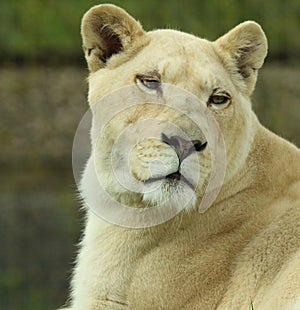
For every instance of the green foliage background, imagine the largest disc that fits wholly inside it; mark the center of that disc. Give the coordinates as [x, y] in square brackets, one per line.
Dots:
[49, 30]
[43, 97]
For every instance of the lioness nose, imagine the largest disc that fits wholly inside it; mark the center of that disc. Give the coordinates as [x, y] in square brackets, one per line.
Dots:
[183, 147]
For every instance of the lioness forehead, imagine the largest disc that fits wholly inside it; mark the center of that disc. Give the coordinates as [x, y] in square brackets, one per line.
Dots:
[180, 41]
[180, 59]
[183, 59]
[186, 52]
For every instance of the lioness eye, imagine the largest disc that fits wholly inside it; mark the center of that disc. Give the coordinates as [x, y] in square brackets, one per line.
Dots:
[148, 82]
[219, 101]
[151, 84]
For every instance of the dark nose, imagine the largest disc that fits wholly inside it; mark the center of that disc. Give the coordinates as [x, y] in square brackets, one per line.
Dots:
[183, 147]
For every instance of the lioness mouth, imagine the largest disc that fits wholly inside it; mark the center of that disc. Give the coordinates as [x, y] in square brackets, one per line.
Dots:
[183, 149]
[173, 176]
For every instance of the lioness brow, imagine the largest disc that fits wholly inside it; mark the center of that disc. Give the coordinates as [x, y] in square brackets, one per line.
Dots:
[149, 75]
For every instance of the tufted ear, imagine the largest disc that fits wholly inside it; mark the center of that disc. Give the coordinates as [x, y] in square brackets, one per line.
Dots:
[243, 50]
[107, 30]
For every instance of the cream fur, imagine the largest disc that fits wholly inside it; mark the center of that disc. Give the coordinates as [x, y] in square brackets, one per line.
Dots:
[246, 247]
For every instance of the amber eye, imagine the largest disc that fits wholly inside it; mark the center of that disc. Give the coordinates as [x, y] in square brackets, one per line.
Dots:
[219, 101]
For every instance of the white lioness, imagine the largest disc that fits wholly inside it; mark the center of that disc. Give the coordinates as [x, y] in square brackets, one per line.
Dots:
[244, 250]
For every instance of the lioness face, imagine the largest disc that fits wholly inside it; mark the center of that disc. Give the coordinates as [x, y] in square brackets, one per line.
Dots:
[153, 149]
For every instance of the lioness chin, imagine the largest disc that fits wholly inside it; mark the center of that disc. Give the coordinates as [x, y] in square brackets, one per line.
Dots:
[244, 246]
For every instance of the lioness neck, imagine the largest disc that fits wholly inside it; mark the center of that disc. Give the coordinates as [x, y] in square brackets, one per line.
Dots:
[270, 169]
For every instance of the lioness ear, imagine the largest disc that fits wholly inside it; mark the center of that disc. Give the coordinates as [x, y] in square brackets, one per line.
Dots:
[243, 50]
[107, 30]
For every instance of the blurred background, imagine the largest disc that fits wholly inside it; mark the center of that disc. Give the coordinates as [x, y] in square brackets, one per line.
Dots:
[43, 97]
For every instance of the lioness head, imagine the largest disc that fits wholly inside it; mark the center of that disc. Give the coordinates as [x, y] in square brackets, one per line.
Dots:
[151, 94]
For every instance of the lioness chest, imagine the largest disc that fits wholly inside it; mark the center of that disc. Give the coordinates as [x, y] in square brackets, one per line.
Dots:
[174, 274]
[184, 272]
